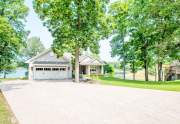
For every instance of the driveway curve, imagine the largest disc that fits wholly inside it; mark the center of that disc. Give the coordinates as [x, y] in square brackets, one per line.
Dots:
[57, 102]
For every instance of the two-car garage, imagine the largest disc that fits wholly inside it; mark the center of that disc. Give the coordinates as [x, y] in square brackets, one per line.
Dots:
[50, 72]
[47, 66]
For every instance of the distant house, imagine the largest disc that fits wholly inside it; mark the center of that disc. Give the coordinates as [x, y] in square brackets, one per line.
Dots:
[172, 72]
[46, 66]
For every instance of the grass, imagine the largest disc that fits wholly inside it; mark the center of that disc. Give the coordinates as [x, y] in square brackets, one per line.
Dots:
[6, 116]
[9, 79]
[167, 86]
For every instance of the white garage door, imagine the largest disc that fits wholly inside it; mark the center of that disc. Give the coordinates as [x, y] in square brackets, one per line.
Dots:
[51, 73]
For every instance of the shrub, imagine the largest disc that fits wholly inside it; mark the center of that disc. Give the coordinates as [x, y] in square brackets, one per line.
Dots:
[109, 69]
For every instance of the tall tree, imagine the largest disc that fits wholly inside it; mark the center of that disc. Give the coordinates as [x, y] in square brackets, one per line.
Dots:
[132, 20]
[75, 25]
[9, 44]
[12, 33]
[142, 30]
[119, 12]
[154, 26]
[33, 47]
[166, 17]
[133, 57]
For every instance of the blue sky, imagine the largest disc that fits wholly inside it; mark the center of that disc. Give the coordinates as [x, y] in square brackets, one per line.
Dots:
[34, 25]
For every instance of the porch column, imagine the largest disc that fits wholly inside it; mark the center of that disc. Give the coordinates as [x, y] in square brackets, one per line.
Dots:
[88, 70]
[102, 69]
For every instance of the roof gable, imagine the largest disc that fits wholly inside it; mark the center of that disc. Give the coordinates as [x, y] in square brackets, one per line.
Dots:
[48, 56]
[88, 60]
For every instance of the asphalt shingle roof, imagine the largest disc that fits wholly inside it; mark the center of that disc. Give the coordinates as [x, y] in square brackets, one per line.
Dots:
[49, 62]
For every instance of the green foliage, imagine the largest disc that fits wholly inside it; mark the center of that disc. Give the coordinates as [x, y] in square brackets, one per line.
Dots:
[15, 12]
[119, 13]
[33, 47]
[146, 32]
[21, 63]
[74, 23]
[166, 20]
[9, 44]
[12, 33]
[109, 69]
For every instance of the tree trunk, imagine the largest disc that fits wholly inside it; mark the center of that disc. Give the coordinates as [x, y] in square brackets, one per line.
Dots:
[133, 70]
[77, 65]
[134, 76]
[124, 69]
[4, 74]
[146, 72]
[155, 73]
[159, 71]
[73, 67]
[176, 74]
[124, 61]
[146, 63]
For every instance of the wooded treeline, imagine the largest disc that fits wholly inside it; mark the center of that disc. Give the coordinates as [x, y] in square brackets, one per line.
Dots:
[146, 33]
[15, 48]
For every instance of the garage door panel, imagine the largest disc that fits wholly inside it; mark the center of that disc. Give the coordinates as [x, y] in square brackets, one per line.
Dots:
[51, 73]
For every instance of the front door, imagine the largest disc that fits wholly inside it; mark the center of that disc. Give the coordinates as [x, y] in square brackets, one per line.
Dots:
[82, 70]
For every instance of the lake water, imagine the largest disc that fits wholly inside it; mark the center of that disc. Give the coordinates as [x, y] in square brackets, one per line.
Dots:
[18, 73]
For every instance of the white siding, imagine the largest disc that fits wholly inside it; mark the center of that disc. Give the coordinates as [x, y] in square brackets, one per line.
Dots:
[55, 72]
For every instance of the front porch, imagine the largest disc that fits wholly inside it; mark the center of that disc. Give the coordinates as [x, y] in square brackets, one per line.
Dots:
[89, 65]
[91, 69]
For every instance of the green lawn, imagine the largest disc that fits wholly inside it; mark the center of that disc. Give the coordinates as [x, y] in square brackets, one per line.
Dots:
[169, 85]
[9, 79]
[5, 114]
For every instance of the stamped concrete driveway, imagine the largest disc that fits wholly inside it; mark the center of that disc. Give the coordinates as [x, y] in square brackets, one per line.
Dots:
[51, 102]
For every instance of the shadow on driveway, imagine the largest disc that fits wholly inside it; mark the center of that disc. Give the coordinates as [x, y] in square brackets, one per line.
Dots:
[12, 86]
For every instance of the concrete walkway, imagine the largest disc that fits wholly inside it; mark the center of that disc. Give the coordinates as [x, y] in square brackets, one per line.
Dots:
[51, 102]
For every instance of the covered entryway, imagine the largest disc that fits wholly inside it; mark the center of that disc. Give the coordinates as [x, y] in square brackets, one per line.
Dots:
[50, 72]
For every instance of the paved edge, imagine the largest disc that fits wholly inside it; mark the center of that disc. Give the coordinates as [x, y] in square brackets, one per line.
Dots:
[14, 119]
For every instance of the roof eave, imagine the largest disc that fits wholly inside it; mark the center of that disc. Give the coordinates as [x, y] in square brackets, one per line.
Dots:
[38, 55]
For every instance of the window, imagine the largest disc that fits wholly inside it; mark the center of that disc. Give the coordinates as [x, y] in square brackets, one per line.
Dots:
[55, 69]
[62, 69]
[93, 69]
[39, 69]
[47, 69]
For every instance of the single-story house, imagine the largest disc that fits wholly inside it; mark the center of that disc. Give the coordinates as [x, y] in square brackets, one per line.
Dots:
[46, 66]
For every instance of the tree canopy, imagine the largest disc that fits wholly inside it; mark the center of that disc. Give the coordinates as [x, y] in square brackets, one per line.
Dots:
[152, 28]
[32, 48]
[9, 43]
[74, 24]
[12, 32]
